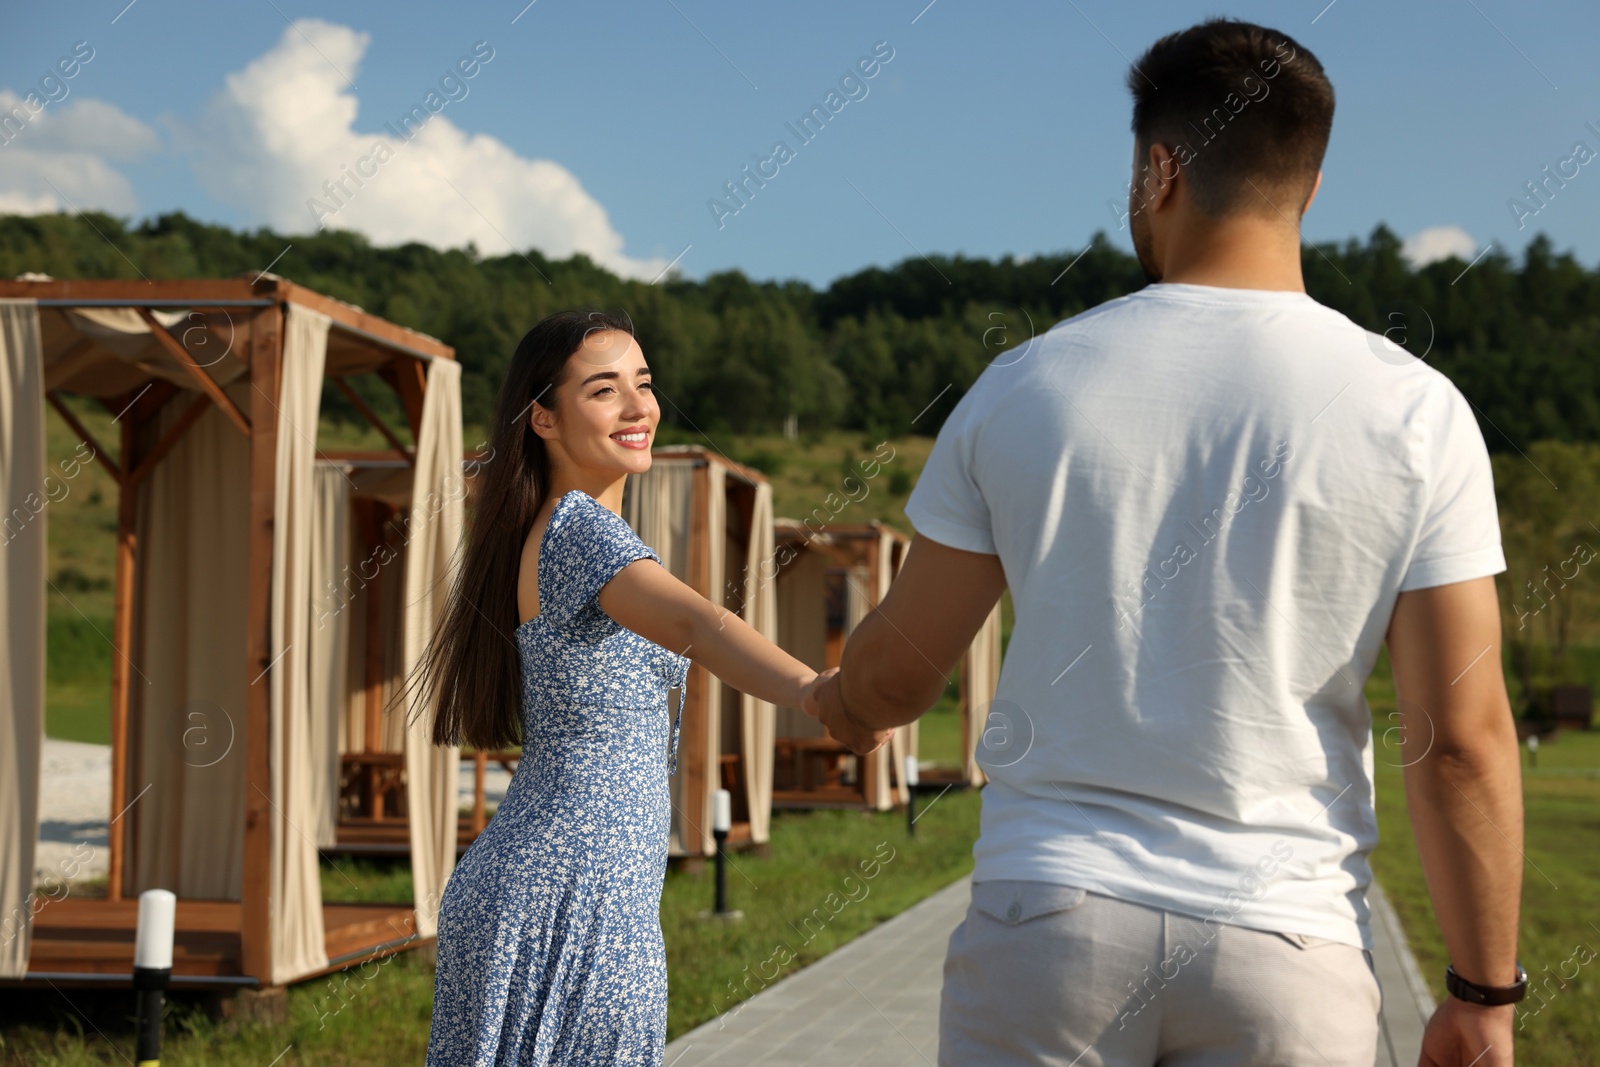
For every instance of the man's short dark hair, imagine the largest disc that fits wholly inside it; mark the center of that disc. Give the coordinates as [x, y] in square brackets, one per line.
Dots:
[1246, 111]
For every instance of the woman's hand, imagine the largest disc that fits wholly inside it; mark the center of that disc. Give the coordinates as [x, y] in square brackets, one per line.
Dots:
[822, 701]
[808, 692]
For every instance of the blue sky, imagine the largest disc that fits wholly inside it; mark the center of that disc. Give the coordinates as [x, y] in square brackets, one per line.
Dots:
[995, 128]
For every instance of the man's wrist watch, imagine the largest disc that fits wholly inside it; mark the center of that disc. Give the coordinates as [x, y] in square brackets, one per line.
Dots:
[1486, 995]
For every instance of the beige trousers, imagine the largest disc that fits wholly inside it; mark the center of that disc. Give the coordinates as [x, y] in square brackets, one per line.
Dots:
[1042, 974]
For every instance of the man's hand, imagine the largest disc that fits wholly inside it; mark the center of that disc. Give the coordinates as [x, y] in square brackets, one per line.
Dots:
[1460, 1034]
[822, 702]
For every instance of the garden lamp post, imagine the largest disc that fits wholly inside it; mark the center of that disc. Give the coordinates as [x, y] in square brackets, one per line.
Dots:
[152, 968]
[911, 796]
[721, 824]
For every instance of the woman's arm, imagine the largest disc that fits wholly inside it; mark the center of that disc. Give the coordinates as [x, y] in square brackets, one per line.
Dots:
[649, 600]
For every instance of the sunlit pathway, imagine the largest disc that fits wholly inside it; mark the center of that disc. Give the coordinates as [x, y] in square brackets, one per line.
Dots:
[1407, 1004]
[876, 1001]
[813, 1016]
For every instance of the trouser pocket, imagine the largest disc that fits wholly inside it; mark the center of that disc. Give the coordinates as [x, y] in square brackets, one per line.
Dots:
[1017, 902]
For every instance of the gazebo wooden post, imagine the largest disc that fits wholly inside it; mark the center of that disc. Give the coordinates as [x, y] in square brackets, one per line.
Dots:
[695, 733]
[122, 640]
[480, 764]
[372, 667]
[266, 358]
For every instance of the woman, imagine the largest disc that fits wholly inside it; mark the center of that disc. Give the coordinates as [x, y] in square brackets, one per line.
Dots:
[563, 633]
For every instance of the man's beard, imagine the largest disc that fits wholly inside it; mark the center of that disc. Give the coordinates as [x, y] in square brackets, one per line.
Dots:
[1143, 244]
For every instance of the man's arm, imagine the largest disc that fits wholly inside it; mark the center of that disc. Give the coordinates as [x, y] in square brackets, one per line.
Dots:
[899, 658]
[1463, 779]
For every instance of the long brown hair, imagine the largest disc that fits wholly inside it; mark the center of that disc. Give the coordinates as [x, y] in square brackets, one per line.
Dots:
[471, 667]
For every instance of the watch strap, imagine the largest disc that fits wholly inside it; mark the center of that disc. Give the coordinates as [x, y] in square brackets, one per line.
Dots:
[1486, 995]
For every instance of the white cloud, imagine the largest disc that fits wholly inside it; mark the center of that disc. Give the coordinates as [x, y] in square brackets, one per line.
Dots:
[285, 125]
[1436, 243]
[56, 160]
[94, 126]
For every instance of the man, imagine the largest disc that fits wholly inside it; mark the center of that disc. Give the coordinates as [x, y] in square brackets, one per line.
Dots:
[1212, 500]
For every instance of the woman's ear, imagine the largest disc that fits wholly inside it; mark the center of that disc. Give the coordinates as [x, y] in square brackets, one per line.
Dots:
[542, 420]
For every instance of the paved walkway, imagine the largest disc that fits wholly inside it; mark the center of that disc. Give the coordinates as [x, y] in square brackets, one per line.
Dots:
[896, 970]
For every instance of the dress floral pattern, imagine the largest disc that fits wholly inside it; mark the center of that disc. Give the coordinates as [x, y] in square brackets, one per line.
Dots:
[550, 948]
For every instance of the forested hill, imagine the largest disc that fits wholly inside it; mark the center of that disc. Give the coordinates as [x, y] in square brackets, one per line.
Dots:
[871, 351]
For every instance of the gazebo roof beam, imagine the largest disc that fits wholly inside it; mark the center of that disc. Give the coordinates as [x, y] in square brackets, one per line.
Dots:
[207, 384]
[372, 417]
[86, 437]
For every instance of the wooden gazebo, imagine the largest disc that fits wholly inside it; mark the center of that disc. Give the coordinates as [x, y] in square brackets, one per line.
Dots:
[710, 520]
[214, 386]
[829, 579]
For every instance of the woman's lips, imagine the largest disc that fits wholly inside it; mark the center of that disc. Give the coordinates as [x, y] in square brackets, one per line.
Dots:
[638, 440]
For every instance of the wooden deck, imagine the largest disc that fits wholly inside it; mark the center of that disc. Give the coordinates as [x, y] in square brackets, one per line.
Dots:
[78, 939]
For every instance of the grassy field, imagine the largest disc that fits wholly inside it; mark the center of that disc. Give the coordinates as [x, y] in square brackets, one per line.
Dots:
[1560, 888]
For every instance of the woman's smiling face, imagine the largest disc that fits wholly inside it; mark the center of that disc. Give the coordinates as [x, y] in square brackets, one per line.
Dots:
[605, 411]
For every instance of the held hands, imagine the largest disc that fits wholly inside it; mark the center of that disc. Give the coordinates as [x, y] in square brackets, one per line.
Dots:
[821, 700]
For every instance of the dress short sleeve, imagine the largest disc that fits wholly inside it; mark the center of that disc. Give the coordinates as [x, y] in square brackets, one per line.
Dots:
[584, 546]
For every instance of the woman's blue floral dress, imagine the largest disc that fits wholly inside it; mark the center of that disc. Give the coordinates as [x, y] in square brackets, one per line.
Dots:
[550, 947]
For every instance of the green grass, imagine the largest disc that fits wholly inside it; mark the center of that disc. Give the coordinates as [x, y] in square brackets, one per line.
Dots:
[939, 734]
[352, 880]
[78, 677]
[832, 876]
[1560, 891]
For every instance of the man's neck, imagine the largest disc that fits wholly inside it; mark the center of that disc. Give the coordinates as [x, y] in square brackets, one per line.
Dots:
[1239, 252]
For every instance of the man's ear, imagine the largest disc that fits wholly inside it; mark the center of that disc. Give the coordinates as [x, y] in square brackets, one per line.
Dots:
[1316, 185]
[1161, 177]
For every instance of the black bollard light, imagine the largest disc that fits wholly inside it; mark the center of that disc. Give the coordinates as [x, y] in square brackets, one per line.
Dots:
[721, 824]
[911, 795]
[152, 969]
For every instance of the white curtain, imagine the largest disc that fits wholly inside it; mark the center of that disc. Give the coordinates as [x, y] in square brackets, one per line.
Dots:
[716, 587]
[659, 505]
[802, 609]
[297, 937]
[22, 564]
[433, 537]
[189, 681]
[758, 718]
[330, 639]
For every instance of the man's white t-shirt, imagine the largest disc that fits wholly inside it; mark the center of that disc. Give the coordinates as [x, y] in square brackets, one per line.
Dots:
[1206, 501]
